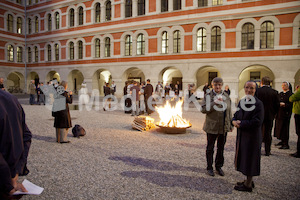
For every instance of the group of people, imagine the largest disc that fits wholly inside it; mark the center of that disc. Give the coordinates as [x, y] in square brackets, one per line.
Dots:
[176, 88]
[253, 120]
[35, 89]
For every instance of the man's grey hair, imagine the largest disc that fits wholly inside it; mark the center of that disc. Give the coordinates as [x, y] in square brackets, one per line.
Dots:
[217, 80]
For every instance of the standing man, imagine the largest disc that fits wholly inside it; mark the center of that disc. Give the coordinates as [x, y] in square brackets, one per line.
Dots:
[217, 107]
[270, 99]
[295, 98]
[135, 94]
[248, 120]
[15, 140]
[159, 89]
[2, 84]
[148, 91]
[113, 87]
[32, 91]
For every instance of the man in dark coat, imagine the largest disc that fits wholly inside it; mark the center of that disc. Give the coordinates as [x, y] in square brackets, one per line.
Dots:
[270, 99]
[15, 140]
[248, 120]
[148, 91]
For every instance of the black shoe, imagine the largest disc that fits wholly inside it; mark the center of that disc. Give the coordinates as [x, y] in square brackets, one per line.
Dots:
[279, 144]
[296, 155]
[268, 154]
[210, 172]
[220, 172]
[243, 188]
[25, 171]
[65, 142]
[241, 183]
[284, 147]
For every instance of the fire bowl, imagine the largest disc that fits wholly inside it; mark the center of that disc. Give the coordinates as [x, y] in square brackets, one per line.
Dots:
[172, 130]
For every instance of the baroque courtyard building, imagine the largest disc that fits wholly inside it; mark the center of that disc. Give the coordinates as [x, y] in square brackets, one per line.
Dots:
[191, 41]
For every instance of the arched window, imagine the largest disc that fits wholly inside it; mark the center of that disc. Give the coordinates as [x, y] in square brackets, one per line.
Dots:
[80, 49]
[19, 1]
[29, 54]
[128, 45]
[202, 3]
[36, 54]
[107, 47]
[248, 36]
[97, 48]
[36, 22]
[201, 39]
[97, 12]
[140, 44]
[49, 22]
[29, 26]
[19, 25]
[164, 5]
[216, 38]
[80, 16]
[141, 7]
[56, 48]
[108, 11]
[49, 52]
[165, 42]
[19, 54]
[10, 21]
[267, 35]
[176, 42]
[128, 8]
[71, 17]
[217, 2]
[56, 20]
[71, 50]
[176, 4]
[10, 53]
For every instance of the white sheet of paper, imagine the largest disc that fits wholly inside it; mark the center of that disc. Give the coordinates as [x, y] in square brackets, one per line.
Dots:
[31, 188]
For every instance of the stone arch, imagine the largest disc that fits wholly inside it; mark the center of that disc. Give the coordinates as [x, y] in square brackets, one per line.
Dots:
[255, 73]
[15, 82]
[75, 79]
[205, 74]
[99, 78]
[296, 25]
[53, 75]
[169, 74]
[133, 73]
[297, 79]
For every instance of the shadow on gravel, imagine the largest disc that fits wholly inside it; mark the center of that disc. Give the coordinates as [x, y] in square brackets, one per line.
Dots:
[44, 138]
[211, 185]
[203, 146]
[154, 164]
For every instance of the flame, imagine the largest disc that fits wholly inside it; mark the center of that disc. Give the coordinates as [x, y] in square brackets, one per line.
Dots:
[172, 116]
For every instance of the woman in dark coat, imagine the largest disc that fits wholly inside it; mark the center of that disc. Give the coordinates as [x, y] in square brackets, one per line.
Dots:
[249, 137]
[283, 118]
[62, 118]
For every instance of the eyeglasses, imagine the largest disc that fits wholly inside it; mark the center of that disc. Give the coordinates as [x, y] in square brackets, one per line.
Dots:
[251, 88]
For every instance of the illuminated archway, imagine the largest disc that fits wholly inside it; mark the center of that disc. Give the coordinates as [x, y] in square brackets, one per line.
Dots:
[53, 75]
[205, 75]
[133, 73]
[170, 74]
[100, 77]
[15, 82]
[75, 79]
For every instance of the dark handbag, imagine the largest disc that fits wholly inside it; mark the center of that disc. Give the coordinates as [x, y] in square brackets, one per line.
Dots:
[78, 131]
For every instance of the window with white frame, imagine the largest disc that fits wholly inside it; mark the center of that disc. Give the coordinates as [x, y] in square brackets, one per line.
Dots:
[80, 49]
[128, 45]
[97, 12]
[164, 5]
[267, 35]
[49, 52]
[36, 54]
[128, 8]
[140, 44]
[248, 36]
[217, 2]
[19, 54]
[97, 48]
[36, 23]
[176, 42]
[19, 25]
[107, 47]
[201, 39]
[56, 51]
[10, 53]
[71, 50]
[202, 3]
[176, 4]
[141, 7]
[216, 38]
[80, 15]
[56, 20]
[165, 42]
[71, 17]
[49, 22]
[108, 11]
[299, 35]
[29, 54]
[10, 22]
[29, 26]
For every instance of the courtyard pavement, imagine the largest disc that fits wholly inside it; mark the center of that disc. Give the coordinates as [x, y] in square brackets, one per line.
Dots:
[113, 161]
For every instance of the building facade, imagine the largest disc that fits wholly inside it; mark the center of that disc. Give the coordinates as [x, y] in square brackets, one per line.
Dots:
[191, 41]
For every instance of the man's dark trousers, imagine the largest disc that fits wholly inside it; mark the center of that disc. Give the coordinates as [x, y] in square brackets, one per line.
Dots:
[211, 140]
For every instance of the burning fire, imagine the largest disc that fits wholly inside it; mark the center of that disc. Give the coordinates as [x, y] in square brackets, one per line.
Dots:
[172, 116]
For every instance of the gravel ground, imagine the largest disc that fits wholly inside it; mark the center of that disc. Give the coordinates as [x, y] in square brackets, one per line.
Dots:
[115, 162]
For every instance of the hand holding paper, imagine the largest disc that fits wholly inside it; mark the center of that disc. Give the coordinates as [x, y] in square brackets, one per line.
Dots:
[31, 188]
